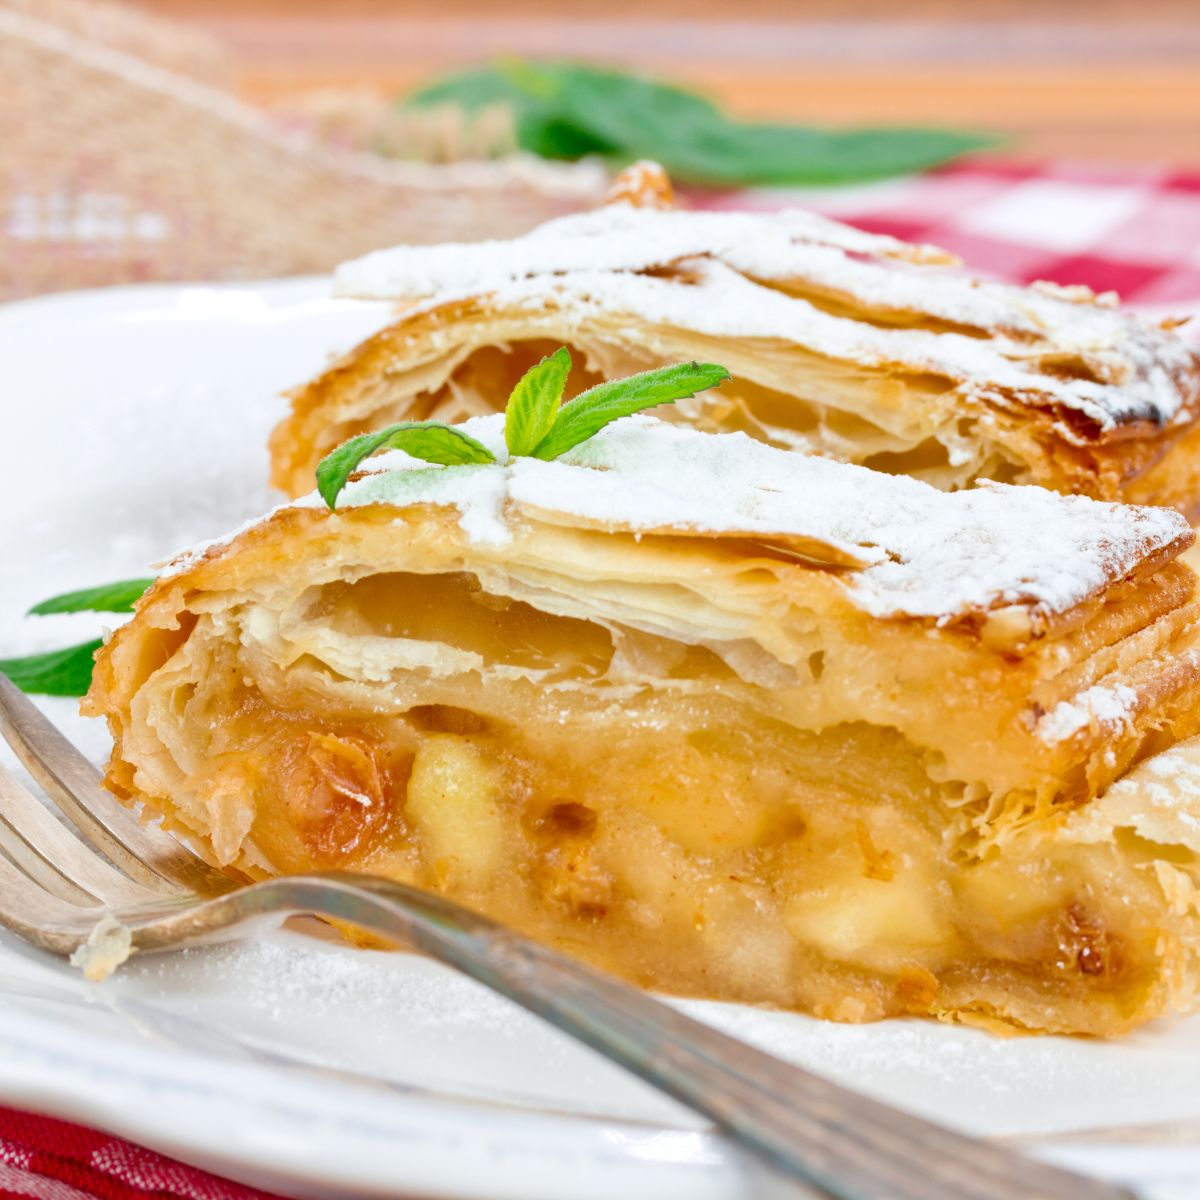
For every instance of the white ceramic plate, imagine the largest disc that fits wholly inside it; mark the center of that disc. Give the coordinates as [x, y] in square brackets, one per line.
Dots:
[135, 421]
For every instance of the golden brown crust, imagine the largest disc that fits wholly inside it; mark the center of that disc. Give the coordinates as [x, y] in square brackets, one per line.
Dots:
[1137, 463]
[701, 761]
[1136, 636]
[861, 349]
[644, 185]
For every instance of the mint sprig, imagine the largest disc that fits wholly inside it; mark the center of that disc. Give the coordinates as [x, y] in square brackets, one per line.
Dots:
[536, 422]
[68, 672]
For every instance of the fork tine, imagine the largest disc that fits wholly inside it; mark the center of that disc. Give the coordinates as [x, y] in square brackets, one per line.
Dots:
[53, 857]
[145, 853]
[34, 914]
[26, 852]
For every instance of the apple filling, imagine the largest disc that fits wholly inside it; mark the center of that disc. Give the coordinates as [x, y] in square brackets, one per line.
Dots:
[638, 802]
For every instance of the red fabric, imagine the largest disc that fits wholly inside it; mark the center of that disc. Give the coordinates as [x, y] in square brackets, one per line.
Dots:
[1132, 230]
[45, 1159]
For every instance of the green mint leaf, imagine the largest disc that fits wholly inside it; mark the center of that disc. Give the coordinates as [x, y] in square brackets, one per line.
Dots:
[590, 411]
[116, 597]
[535, 402]
[567, 110]
[765, 155]
[536, 125]
[531, 79]
[68, 672]
[696, 143]
[471, 90]
[65, 672]
[430, 441]
[540, 132]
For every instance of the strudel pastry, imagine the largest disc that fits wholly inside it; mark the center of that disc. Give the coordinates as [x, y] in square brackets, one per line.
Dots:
[728, 720]
[842, 343]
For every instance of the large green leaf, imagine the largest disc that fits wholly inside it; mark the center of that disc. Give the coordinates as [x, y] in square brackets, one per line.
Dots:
[59, 673]
[468, 90]
[116, 597]
[761, 155]
[517, 85]
[566, 110]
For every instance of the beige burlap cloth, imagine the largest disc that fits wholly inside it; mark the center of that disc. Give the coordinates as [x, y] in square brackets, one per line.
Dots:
[124, 158]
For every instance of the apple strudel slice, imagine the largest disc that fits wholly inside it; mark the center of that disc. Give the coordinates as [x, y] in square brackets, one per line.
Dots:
[845, 344]
[728, 720]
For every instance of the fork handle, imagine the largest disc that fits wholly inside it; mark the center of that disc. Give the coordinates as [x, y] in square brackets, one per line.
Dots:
[838, 1143]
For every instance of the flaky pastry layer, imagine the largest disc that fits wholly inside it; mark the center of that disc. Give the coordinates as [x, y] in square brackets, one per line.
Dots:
[841, 343]
[707, 749]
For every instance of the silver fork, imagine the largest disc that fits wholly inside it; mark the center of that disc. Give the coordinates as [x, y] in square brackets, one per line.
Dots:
[58, 882]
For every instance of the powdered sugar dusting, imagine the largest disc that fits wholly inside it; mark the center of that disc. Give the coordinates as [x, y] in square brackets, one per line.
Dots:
[922, 552]
[1105, 706]
[723, 303]
[1170, 779]
[617, 237]
[596, 262]
[477, 492]
[1159, 799]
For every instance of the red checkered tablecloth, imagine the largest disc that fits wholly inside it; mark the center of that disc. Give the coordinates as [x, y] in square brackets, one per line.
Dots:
[1132, 230]
[45, 1159]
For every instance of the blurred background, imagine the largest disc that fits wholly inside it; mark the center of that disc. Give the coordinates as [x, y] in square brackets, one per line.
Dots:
[1117, 79]
[216, 139]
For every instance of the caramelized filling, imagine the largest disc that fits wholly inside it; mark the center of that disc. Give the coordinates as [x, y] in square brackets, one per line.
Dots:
[735, 860]
[640, 803]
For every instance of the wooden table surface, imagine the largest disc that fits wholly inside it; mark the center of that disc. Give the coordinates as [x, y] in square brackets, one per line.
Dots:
[1115, 80]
